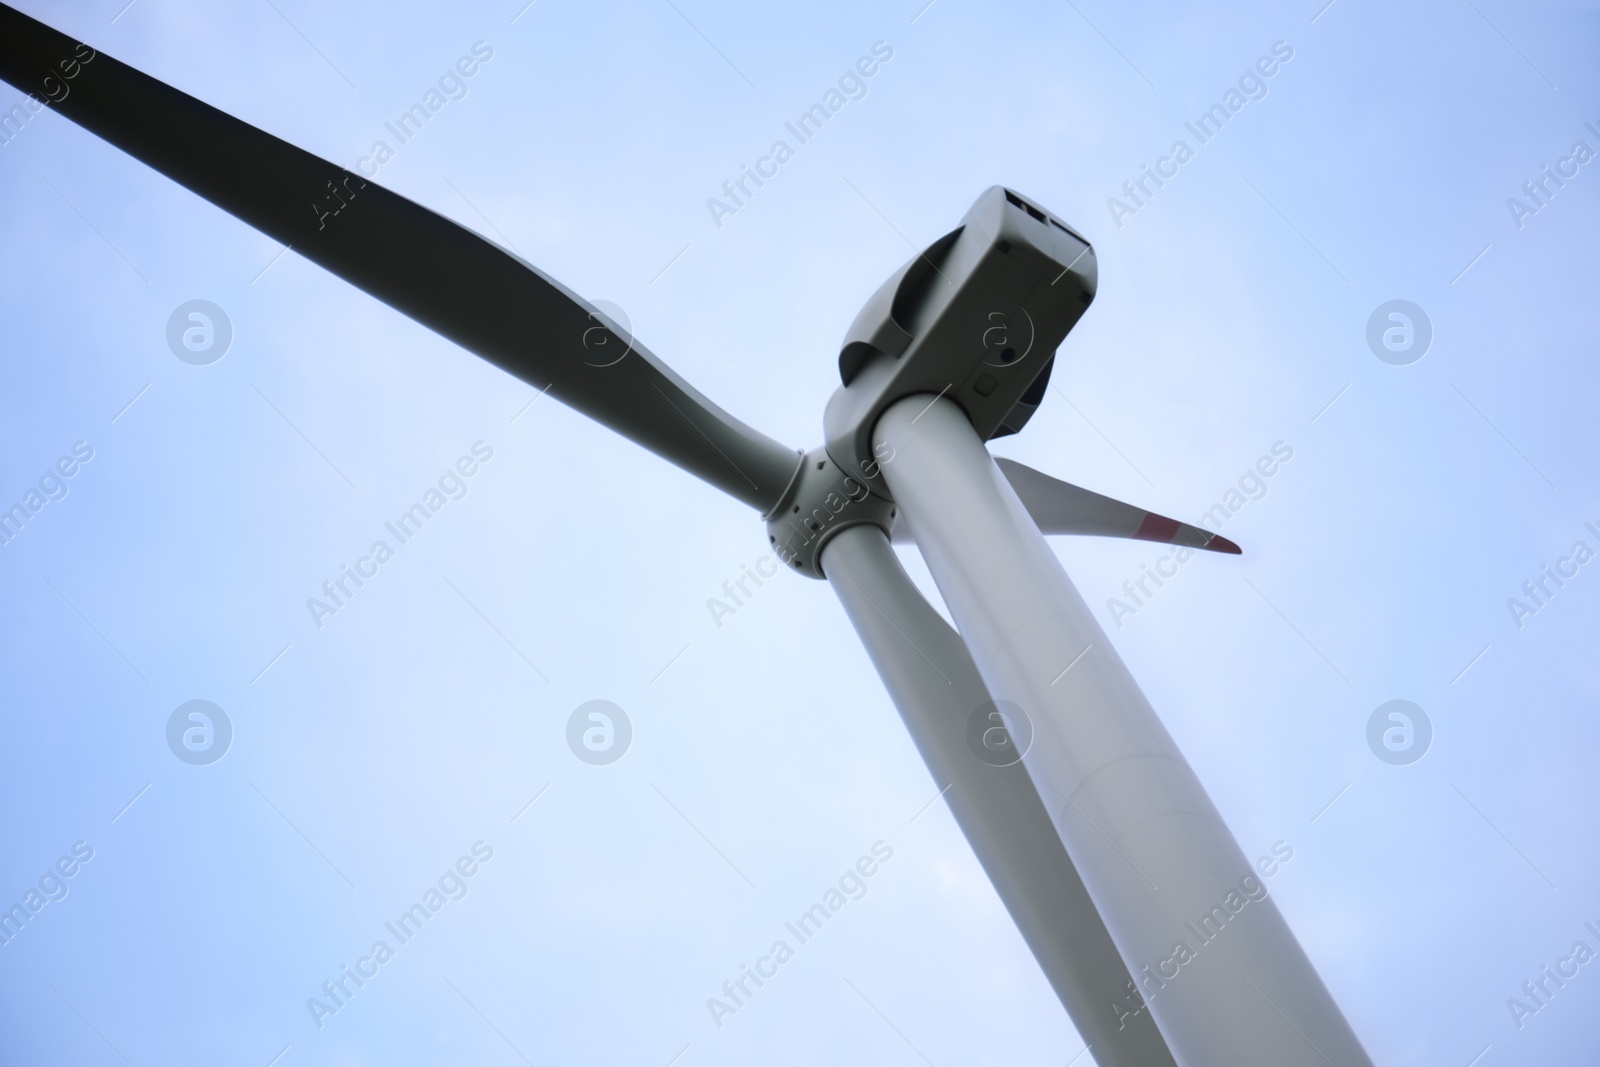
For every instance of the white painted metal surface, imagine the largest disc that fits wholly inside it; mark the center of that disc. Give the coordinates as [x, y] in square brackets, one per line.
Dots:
[937, 689]
[1218, 966]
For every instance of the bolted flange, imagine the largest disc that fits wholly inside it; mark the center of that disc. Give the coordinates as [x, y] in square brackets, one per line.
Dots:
[822, 500]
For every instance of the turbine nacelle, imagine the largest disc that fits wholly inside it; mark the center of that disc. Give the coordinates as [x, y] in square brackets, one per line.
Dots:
[976, 317]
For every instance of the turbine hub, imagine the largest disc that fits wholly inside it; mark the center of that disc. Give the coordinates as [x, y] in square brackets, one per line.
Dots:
[822, 500]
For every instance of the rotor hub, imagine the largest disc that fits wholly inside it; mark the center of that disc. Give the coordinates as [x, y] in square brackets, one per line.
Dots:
[822, 500]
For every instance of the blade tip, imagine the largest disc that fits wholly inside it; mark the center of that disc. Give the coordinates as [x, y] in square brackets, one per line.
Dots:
[1218, 543]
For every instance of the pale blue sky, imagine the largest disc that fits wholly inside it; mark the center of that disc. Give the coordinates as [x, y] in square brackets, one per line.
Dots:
[766, 759]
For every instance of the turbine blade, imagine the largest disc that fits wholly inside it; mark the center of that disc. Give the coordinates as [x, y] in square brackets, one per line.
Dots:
[443, 275]
[1059, 507]
[933, 682]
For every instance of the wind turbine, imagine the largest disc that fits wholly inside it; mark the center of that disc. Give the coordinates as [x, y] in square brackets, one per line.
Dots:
[1140, 907]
